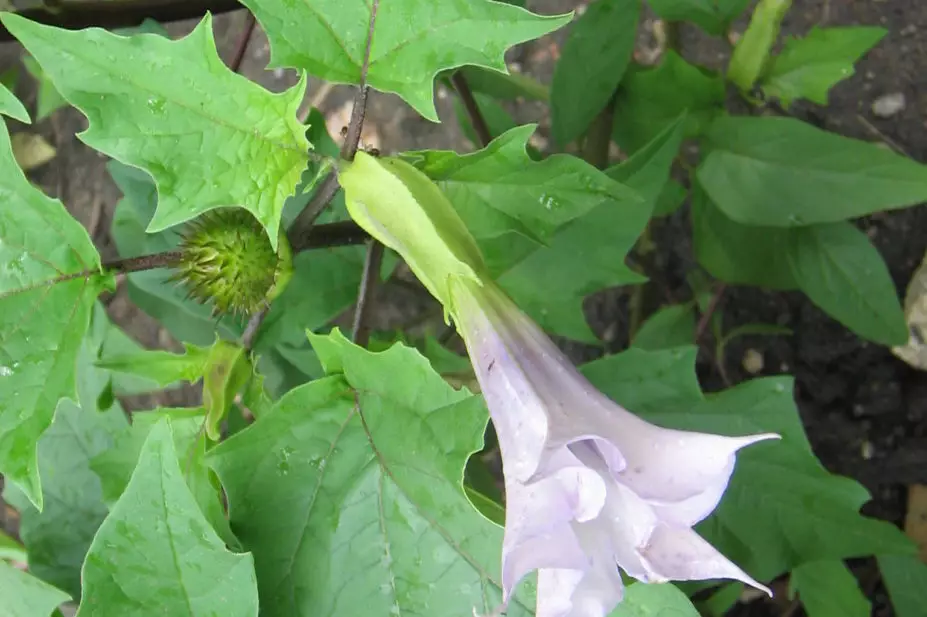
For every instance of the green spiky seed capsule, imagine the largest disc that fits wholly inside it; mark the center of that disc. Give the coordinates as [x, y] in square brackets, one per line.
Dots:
[227, 260]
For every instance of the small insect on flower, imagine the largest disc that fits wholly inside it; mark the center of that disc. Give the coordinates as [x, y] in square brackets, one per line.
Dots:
[227, 260]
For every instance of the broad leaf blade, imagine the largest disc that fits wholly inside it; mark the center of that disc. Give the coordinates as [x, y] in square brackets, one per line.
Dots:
[26, 596]
[839, 269]
[905, 578]
[587, 254]
[651, 99]
[591, 65]
[412, 40]
[736, 253]
[829, 589]
[156, 104]
[781, 172]
[41, 323]
[672, 326]
[58, 537]
[11, 106]
[350, 494]
[809, 67]
[156, 549]
[588, 222]
[782, 508]
[654, 599]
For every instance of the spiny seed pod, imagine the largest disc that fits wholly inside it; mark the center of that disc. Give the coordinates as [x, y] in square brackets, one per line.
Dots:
[227, 260]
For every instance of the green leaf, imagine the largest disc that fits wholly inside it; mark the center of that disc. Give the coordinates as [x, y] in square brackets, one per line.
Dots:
[905, 578]
[588, 253]
[592, 62]
[736, 253]
[752, 51]
[58, 537]
[152, 103]
[156, 549]
[499, 189]
[648, 381]
[166, 301]
[41, 322]
[442, 359]
[162, 367]
[672, 326]
[650, 99]
[713, 16]
[115, 465]
[809, 67]
[841, 272]
[12, 106]
[12, 550]
[48, 99]
[349, 493]
[671, 199]
[828, 589]
[782, 172]
[654, 600]
[26, 596]
[412, 41]
[228, 368]
[782, 508]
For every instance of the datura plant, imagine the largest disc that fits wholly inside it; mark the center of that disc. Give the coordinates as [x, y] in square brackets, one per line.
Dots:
[589, 486]
[446, 457]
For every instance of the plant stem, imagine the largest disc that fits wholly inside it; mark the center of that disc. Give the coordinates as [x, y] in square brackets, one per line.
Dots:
[599, 136]
[302, 226]
[242, 47]
[251, 329]
[473, 109]
[77, 14]
[365, 299]
[329, 186]
[709, 311]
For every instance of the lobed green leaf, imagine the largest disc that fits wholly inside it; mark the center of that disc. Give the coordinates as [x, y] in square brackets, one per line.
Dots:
[412, 41]
[208, 136]
[349, 492]
[157, 549]
[41, 322]
[808, 67]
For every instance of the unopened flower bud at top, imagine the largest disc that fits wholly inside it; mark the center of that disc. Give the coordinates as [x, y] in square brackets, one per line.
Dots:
[401, 207]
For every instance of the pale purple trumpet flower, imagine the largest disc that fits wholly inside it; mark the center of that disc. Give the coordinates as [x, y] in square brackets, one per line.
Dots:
[589, 486]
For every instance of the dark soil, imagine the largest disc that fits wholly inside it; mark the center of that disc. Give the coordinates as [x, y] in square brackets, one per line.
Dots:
[864, 410]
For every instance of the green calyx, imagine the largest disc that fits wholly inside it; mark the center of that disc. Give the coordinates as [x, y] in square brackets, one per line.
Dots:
[227, 260]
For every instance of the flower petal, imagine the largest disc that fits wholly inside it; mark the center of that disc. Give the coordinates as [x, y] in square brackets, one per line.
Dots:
[667, 465]
[679, 554]
[518, 413]
[593, 592]
[539, 516]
